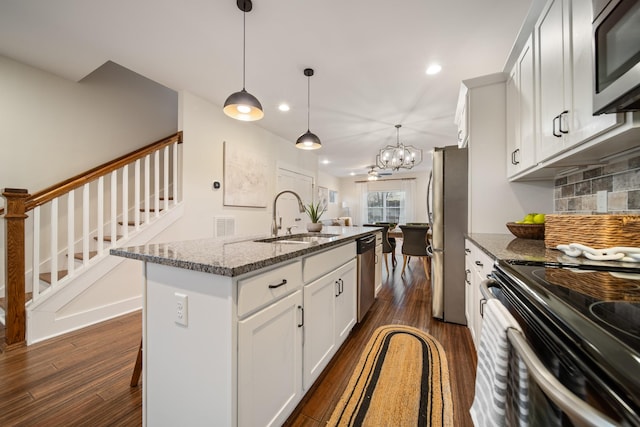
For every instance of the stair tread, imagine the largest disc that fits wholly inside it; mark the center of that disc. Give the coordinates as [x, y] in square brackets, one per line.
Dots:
[131, 223]
[80, 255]
[108, 238]
[46, 277]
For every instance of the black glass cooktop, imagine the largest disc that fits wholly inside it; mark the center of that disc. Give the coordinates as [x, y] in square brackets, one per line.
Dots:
[609, 299]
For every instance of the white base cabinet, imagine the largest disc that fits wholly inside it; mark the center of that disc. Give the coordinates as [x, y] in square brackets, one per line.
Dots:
[330, 314]
[236, 352]
[478, 266]
[270, 363]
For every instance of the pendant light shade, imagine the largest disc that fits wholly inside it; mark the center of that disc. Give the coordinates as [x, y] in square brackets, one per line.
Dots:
[242, 105]
[308, 140]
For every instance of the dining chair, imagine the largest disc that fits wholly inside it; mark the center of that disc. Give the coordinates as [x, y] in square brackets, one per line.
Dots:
[414, 244]
[391, 240]
[387, 246]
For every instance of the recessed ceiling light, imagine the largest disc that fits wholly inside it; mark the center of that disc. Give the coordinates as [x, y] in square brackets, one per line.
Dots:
[352, 174]
[434, 69]
[325, 162]
[283, 107]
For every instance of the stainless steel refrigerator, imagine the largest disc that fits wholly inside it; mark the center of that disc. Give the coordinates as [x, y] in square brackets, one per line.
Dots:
[447, 211]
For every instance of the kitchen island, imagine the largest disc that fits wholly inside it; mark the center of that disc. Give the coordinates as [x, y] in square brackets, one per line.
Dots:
[235, 331]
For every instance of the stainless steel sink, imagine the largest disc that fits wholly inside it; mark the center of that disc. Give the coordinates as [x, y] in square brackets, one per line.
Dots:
[305, 238]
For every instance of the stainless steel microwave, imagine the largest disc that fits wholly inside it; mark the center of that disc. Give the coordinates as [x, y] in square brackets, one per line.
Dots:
[616, 53]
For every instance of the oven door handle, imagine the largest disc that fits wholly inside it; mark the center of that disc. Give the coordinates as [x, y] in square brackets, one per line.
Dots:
[485, 285]
[578, 410]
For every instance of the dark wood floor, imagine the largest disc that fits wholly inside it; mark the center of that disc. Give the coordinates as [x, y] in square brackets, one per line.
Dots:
[82, 378]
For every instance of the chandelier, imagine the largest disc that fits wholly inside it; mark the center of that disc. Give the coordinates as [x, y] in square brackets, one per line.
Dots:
[398, 156]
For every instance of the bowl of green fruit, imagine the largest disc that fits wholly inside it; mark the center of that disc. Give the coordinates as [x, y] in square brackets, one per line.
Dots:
[530, 227]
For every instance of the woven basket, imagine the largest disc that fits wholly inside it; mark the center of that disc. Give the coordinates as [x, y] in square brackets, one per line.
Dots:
[597, 284]
[595, 231]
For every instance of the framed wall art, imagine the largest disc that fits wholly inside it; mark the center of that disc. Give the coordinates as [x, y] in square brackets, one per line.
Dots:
[245, 176]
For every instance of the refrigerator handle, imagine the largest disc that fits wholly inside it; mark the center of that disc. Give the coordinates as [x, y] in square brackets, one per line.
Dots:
[429, 214]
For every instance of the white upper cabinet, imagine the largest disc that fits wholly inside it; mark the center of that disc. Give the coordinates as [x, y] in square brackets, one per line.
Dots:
[521, 130]
[564, 78]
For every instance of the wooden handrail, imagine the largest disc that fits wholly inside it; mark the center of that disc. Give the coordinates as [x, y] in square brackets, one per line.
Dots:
[56, 190]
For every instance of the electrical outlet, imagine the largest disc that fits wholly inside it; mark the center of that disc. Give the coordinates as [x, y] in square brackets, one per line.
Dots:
[182, 309]
[601, 197]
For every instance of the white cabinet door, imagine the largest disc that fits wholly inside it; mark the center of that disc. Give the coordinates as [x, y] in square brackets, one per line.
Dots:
[346, 308]
[270, 363]
[469, 294]
[554, 76]
[319, 326]
[330, 314]
[521, 131]
[565, 79]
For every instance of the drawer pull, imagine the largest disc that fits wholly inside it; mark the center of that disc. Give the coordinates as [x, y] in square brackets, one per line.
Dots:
[479, 264]
[284, 282]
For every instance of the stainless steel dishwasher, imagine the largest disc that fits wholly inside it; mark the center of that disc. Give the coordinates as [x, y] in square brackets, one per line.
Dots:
[366, 273]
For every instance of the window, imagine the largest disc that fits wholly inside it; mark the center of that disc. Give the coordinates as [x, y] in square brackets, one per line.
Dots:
[386, 206]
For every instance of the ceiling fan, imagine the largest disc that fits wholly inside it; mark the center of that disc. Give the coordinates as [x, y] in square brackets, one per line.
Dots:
[377, 174]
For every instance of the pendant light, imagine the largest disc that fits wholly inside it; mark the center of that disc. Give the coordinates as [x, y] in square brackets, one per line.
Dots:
[242, 105]
[308, 140]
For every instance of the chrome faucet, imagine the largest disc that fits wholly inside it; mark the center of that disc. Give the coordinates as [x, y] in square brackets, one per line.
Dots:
[274, 225]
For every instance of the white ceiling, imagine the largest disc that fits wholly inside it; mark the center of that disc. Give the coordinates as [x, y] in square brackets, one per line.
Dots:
[369, 58]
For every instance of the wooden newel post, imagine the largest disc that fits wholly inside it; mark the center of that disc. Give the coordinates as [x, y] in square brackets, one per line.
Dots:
[15, 215]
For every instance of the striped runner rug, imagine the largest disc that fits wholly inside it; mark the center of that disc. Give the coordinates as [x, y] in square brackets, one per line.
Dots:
[402, 379]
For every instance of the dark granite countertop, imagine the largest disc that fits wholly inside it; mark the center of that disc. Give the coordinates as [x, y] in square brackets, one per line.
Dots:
[238, 255]
[509, 247]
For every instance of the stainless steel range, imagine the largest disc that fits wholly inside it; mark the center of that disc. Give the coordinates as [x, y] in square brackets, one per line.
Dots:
[583, 323]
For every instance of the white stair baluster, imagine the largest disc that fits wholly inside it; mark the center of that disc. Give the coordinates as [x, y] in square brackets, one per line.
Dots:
[175, 173]
[125, 201]
[53, 223]
[35, 280]
[114, 207]
[71, 204]
[156, 182]
[100, 223]
[136, 194]
[147, 196]
[85, 223]
[165, 175]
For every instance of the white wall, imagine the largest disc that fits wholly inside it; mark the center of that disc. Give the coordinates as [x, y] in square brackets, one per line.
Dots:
[205, 127]
[53, 128]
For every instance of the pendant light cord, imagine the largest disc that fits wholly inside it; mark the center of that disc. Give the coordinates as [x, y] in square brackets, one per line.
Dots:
[244, 45]
[308, 101]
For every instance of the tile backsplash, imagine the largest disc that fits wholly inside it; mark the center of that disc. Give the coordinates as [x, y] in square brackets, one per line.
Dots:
[577, 193]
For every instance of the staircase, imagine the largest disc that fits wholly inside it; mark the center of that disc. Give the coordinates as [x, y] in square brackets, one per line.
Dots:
[57, 240]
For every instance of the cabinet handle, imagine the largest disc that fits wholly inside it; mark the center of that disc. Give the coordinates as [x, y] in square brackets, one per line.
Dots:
[467, 250]
[337, 288]
[466, 276]
[560, 122]
[482, 303]
[557, 135]
[341, 286]
[479, 264]
[301, 324]
[515, 161]
[460, 135]
[284, 282]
